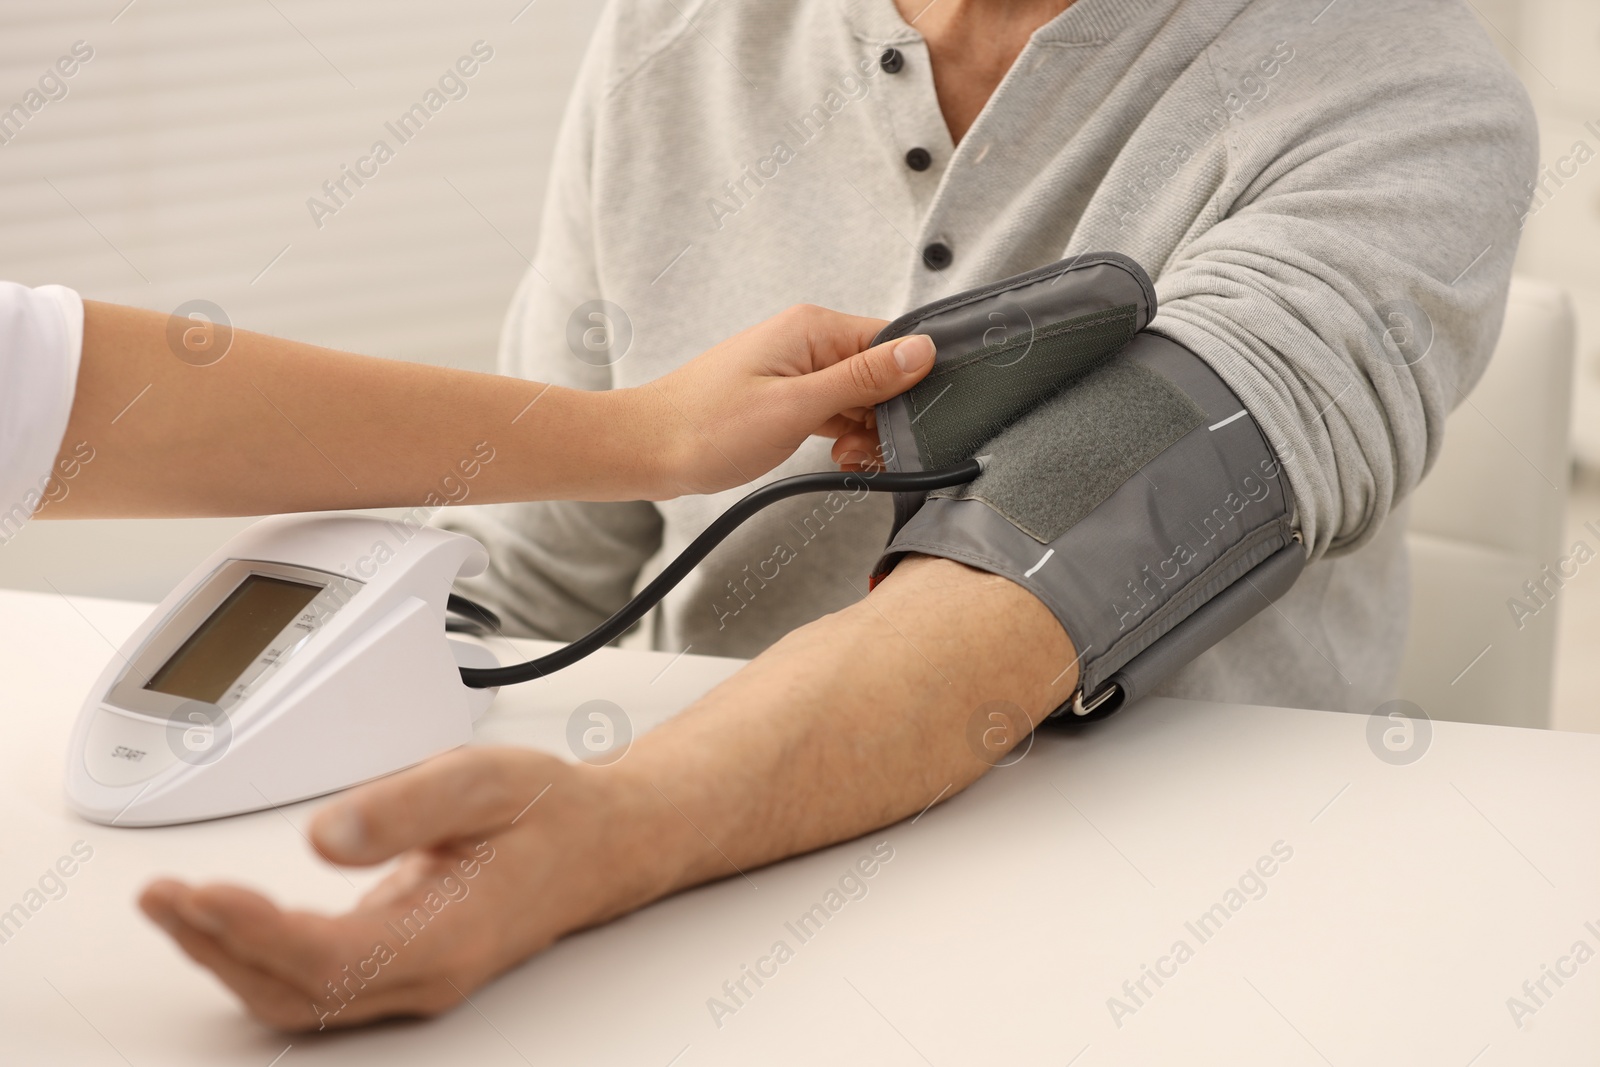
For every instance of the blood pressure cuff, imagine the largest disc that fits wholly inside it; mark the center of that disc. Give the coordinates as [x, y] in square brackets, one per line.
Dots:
[1124, 483]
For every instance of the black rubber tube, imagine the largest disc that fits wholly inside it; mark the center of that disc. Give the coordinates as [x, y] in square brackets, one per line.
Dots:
[471, 617]
[700, 547]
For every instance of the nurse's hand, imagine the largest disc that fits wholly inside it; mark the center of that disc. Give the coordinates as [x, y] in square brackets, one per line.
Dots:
[743, 407]
[501, 851]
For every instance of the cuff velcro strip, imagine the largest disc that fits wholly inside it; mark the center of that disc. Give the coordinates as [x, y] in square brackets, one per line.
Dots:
[1065, 457]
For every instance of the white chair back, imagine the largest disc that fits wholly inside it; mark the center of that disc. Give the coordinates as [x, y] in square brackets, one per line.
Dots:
[1485, 533]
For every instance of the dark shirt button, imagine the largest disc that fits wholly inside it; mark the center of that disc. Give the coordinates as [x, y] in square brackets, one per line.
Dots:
[891, 61]
[937, 256]
[919, 159]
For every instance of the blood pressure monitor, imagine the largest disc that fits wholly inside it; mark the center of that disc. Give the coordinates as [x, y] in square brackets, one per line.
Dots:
[306, 655]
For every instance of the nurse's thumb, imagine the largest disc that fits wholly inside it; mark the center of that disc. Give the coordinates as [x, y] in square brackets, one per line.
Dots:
[873, 376]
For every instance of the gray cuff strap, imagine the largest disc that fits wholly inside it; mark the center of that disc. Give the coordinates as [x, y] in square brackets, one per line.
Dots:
[1149, 565]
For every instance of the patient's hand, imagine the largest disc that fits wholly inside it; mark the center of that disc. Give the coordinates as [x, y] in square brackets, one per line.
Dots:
[502, 851]
[743, 407]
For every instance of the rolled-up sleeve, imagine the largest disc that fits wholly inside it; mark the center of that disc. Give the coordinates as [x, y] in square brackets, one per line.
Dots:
[1353, 283]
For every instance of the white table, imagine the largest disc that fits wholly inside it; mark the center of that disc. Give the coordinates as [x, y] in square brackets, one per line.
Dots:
[1417, 900]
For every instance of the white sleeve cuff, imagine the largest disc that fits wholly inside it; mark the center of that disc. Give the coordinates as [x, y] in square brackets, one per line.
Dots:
[41, 343]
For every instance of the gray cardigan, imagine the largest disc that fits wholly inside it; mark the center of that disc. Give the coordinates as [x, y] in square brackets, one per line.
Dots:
[1328, 203]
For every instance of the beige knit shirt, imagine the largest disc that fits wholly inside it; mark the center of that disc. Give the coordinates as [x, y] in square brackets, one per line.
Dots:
[1296, 178]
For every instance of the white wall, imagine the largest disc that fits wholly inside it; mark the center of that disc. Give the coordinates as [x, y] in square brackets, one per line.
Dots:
[180, 160]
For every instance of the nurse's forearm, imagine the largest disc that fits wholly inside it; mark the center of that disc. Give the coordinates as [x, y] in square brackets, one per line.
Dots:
[272, 425]
[276, 425]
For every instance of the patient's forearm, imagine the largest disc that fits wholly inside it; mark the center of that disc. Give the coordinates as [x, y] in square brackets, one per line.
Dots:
[855, 721]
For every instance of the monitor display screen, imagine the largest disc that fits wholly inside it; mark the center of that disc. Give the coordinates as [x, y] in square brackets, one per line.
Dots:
[206, 665]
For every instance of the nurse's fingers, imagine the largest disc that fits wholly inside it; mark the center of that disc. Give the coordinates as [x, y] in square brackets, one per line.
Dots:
[857, 450]
[867, 378]
[845, 421]
[834, 427]
[468, 793]
[829, 336]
